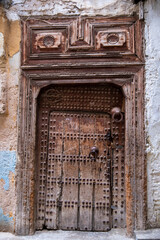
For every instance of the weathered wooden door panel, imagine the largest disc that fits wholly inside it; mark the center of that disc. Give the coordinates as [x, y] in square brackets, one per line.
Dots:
[93, 207]
[87, 122]
[80, 192]
[42, 154]
[70, 172]
[102, 175]
[53, 186]
[118, 175]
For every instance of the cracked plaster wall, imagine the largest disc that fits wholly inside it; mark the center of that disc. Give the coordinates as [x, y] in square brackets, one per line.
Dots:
[9, 78]
[68, 7]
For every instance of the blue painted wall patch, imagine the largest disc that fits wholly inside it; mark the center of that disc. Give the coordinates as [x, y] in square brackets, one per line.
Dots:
[7, 165]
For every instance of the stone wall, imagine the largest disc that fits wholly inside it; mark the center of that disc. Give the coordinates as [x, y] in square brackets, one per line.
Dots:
[10, 74]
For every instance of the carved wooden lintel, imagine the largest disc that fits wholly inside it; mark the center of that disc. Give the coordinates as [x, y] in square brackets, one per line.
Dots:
[92, 37]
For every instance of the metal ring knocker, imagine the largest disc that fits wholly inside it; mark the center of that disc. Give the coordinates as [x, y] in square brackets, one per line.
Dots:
[117, 115]
[94, 152]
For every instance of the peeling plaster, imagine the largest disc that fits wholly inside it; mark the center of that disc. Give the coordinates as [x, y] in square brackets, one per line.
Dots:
[10, 36]
[3, 79]
[12, 16]
[14, 68]
[7, 190]
[7, 163]
[13, 42]
[1, 44]
[72, 7]
[5, 218]
[9, 79]
[8, 122]
[17, 1]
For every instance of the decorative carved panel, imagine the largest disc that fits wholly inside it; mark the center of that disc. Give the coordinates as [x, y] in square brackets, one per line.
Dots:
[111, 39]
[48, 41]
[68, 37]
[80, 35]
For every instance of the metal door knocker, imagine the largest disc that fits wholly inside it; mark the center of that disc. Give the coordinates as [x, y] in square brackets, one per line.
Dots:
[117, 115]
[94, 152]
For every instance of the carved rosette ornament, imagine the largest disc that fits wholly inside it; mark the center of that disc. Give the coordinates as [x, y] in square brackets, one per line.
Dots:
[53, 95]
[110, 39]
[48, 40]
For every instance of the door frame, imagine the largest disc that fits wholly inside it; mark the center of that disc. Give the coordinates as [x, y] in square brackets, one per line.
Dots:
[129, 76]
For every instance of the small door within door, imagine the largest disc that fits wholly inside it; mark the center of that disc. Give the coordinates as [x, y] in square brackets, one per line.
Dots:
[77, 187]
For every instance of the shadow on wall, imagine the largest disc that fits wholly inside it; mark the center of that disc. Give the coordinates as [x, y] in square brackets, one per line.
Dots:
[6, 3]
[137, 1]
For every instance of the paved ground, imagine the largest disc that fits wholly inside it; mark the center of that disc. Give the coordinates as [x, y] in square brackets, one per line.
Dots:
[150, 234]
[114, 234]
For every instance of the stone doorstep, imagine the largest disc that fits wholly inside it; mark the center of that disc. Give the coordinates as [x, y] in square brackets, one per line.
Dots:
[150, 234]
[114, 234]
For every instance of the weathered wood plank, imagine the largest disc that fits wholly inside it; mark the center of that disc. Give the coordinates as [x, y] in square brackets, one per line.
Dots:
[69, 210]
[87, 124]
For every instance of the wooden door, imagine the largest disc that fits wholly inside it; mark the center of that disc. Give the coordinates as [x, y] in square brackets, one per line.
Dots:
[77, 191]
